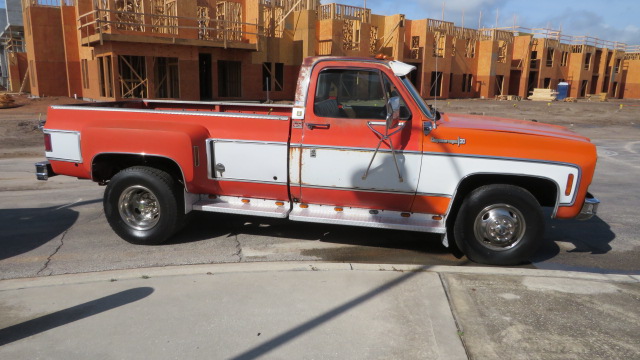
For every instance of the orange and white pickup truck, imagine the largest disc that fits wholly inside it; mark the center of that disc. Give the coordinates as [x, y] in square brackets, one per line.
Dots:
[358, 147]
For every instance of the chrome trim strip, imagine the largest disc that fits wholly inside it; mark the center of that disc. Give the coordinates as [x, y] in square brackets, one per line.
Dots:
[370, 190]
[354, 189]
[348, 148]
[502, 158]
[248, 141]
[167, 112]
[281, 183]
[232, 103]
[434, 195]
[63, 160]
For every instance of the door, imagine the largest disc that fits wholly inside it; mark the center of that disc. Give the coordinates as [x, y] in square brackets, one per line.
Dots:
[206, 81]
[343, 127]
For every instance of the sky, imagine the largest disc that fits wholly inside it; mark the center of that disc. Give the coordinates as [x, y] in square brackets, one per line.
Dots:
[613, 20]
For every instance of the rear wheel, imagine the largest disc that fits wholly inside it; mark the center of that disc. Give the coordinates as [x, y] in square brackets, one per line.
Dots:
[499, 225]
[143, 205]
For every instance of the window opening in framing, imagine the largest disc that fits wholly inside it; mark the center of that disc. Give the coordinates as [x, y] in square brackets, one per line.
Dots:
[229, 16]
[550, 54]
[373, 40]
[415, 47]
[546, 83]
[439, 41]
[129, 15]
[204, 23]
[164, 16]
[616, 68]
[132, 76]
[502, 51]
[351, 34]
[167, 78]
[229, 78]
[587, 61]
[470, 48]
[564, 59]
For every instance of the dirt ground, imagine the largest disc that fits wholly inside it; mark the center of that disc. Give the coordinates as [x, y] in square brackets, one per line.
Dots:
[20, 136]
[19, 132]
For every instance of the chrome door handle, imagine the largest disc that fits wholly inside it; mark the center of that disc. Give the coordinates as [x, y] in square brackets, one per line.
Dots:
[312, 126]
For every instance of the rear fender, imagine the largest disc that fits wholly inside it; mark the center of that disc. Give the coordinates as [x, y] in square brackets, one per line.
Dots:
[182, 144]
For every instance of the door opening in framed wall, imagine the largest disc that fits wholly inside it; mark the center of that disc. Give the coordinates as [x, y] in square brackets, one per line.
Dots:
[132, 76]
[167, 78]
[229, 78]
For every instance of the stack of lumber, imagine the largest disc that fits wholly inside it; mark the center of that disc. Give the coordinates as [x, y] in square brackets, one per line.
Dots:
[6, 101]
[570, 99]
[543, 95]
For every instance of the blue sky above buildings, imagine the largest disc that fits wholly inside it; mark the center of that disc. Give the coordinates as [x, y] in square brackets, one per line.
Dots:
[613, 20]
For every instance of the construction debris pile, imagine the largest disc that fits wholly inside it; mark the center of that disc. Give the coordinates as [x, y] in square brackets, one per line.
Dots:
[7, 101]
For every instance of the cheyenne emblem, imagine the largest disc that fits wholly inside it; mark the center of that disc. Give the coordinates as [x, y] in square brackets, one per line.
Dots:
[453, 142]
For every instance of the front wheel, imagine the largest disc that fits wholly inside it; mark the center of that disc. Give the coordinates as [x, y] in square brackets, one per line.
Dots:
[143, 205]
[499, 225]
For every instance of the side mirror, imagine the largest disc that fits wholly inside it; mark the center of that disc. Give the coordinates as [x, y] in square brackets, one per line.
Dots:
[436, 114]
[393, 112]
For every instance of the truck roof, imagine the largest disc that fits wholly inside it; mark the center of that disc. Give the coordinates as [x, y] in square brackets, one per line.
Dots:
[398, 67]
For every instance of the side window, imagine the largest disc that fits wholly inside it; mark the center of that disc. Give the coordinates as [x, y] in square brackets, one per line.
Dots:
[391, 91]
[354, 94]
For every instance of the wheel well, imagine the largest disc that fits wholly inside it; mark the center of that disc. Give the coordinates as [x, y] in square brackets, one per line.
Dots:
[105, 166]
[544, 190]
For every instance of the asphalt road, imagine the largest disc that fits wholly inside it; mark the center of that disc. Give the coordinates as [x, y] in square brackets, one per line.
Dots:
[57, 227]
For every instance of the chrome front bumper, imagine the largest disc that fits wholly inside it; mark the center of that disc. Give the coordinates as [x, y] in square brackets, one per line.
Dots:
[44, 170]
[589, 208]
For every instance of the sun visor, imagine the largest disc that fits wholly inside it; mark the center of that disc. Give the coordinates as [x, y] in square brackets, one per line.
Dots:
[401, 69]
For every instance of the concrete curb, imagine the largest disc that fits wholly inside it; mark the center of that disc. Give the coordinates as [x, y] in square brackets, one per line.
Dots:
[185, 270]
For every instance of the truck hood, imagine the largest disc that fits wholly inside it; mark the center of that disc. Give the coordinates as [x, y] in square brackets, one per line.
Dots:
[490, 123]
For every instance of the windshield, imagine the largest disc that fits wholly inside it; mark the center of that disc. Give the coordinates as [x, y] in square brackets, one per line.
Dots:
[416, 96]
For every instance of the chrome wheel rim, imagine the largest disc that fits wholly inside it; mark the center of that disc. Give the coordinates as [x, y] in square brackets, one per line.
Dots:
[499, 227]
[139, 207]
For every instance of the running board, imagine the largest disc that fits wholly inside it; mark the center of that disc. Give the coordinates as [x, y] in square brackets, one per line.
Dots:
[382, 219]
[244, 206]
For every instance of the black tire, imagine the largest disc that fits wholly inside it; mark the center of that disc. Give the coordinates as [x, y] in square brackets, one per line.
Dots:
[499, 225]
[143, 205]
